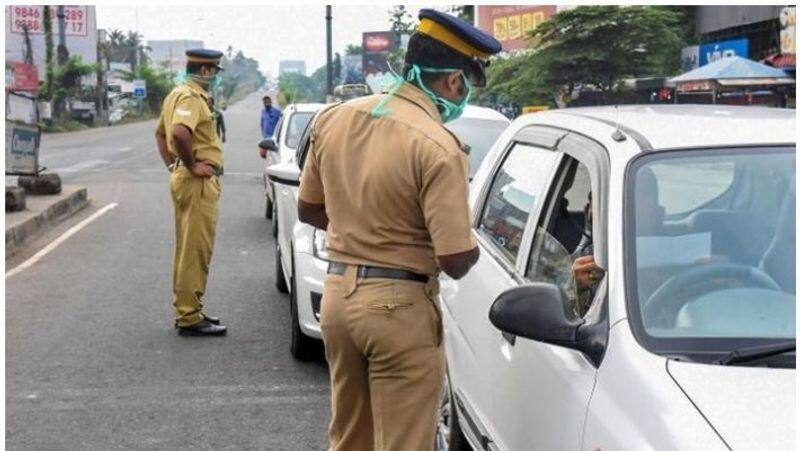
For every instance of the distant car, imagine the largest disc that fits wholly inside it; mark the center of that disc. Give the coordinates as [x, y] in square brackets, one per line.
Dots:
[686, 338]
[288, 130]
[301, 256]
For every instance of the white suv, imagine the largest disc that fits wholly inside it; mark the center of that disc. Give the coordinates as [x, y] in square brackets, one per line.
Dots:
[301, 259]
[685, 336]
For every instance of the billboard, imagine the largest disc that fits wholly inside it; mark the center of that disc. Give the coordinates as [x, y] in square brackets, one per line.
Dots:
[80, 29]
[512, 24]
[378, 46]
[696, 56]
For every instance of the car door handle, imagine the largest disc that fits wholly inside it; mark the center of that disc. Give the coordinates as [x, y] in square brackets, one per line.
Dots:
[285, 192]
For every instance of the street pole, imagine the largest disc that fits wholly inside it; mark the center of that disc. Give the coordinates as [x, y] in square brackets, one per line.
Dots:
[328, 17]
[62, 37]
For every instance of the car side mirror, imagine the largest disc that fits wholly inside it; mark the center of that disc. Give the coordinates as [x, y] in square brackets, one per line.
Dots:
[284, 173]
[539, 311]
[268, 144]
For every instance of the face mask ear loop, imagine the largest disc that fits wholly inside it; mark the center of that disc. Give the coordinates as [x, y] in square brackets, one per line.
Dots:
[379, 110]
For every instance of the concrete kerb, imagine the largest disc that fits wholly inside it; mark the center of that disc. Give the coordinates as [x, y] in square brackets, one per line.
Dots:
[50, 211]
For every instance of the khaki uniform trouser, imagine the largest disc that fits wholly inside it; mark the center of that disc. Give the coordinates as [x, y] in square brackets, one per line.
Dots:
[383, 343]
[195, 201]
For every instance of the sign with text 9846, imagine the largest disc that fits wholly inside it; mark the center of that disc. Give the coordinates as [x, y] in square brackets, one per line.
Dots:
[22, 149]
[32, 18]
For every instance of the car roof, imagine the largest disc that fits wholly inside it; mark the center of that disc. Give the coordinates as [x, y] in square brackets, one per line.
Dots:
[693, 126]
[306, 107]
[479, 112]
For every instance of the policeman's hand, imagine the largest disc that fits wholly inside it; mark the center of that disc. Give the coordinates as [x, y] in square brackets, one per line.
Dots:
[262, 152]
[202, 170]
[586, 271]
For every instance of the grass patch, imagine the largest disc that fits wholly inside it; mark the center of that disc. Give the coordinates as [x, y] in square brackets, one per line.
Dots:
[69, 126]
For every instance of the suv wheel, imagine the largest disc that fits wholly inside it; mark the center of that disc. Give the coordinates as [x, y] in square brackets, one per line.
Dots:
[303, 347]
[280, 280]
[449, 436]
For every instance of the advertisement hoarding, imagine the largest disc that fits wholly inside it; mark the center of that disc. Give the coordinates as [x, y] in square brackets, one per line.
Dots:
[717, 50]
[22, 149]
[512, 24]
[32, 17]
[378, 46]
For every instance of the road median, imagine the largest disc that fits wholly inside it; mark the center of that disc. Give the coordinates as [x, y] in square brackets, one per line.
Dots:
[42, 214]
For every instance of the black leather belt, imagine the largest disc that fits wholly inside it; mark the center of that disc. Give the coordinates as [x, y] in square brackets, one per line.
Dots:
[369, 272]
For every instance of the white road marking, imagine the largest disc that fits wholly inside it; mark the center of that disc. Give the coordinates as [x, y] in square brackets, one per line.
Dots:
[125, 149]
[82, 166]
[55, 243]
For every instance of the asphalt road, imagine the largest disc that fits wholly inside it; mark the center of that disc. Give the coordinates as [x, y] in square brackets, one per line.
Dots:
[92, 360]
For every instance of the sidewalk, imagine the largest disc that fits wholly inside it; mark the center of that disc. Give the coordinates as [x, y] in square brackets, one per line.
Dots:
[42, 212]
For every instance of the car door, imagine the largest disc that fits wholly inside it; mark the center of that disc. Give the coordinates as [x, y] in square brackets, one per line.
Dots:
[541, 391]
[510, 197]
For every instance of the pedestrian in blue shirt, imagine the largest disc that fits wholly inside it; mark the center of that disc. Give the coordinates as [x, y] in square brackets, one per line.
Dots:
[269, 118]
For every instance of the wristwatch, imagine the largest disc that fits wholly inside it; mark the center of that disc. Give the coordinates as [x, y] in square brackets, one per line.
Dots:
[171, 167]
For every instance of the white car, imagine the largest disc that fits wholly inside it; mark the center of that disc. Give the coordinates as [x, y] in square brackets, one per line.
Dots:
[301, 258]
[293, 121]
[685, 339]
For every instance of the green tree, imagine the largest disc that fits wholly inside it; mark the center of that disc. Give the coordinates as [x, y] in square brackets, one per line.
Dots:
[401, 20]
[463, 12]
[159, 83]
[593, 47]
[353, 49]
[46, 92]
[294, 88]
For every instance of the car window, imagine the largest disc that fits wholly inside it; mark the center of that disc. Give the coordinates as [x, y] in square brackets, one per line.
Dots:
[692, 184]
[479, 135]
[302, 146]
[513, 195]
[565, 235]
[297, 123]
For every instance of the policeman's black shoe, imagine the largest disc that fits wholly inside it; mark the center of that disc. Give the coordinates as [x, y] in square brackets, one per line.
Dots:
[202, 329]
[209, 318]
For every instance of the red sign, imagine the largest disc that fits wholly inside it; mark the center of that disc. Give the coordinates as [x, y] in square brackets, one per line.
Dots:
[30, 17]
[26, 77]
[512, 25]
[377, 42]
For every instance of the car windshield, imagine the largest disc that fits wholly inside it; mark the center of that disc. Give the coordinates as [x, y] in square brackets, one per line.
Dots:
[480, 135]
[710, 237]
[297, 124]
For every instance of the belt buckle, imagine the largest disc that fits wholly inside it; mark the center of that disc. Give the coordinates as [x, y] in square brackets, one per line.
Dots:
[362, 272]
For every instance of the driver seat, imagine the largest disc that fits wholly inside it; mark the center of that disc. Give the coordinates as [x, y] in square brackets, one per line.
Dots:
[779, 259]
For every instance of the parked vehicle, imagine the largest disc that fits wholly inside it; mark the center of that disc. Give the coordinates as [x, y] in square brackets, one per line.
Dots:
[288, 130]
[301, 252]
[686, 338]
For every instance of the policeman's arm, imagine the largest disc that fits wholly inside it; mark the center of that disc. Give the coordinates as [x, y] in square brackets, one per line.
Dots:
[313, 214]
[457, 265]
[443, 198]
[183, 144]
[161, 142]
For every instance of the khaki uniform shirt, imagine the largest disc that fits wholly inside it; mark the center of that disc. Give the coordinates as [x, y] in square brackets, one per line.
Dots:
[187, 105]
[395, 188]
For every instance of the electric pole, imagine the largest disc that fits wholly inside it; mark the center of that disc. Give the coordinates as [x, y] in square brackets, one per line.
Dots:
[329, 65]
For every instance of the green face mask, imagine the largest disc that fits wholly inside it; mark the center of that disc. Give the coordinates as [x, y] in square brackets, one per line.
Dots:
[211, 83]
[449, 111]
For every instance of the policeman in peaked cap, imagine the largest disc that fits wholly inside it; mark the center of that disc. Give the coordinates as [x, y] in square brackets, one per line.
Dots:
[380, 319]
[190, 148]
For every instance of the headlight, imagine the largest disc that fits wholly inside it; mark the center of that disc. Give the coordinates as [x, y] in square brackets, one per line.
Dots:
[320, 246]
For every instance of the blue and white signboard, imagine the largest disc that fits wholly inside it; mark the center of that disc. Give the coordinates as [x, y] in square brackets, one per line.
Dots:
[139, 89]
[718, 50]
[696, 56]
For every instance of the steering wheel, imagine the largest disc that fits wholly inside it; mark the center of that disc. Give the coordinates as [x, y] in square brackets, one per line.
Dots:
[663, 305]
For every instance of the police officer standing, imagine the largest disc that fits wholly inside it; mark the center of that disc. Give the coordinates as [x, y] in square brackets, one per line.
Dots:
[389, 183]
[190, 147]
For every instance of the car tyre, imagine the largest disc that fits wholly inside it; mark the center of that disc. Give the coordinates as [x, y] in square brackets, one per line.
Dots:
[449, 436]
[302, 346]
[280, 279]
